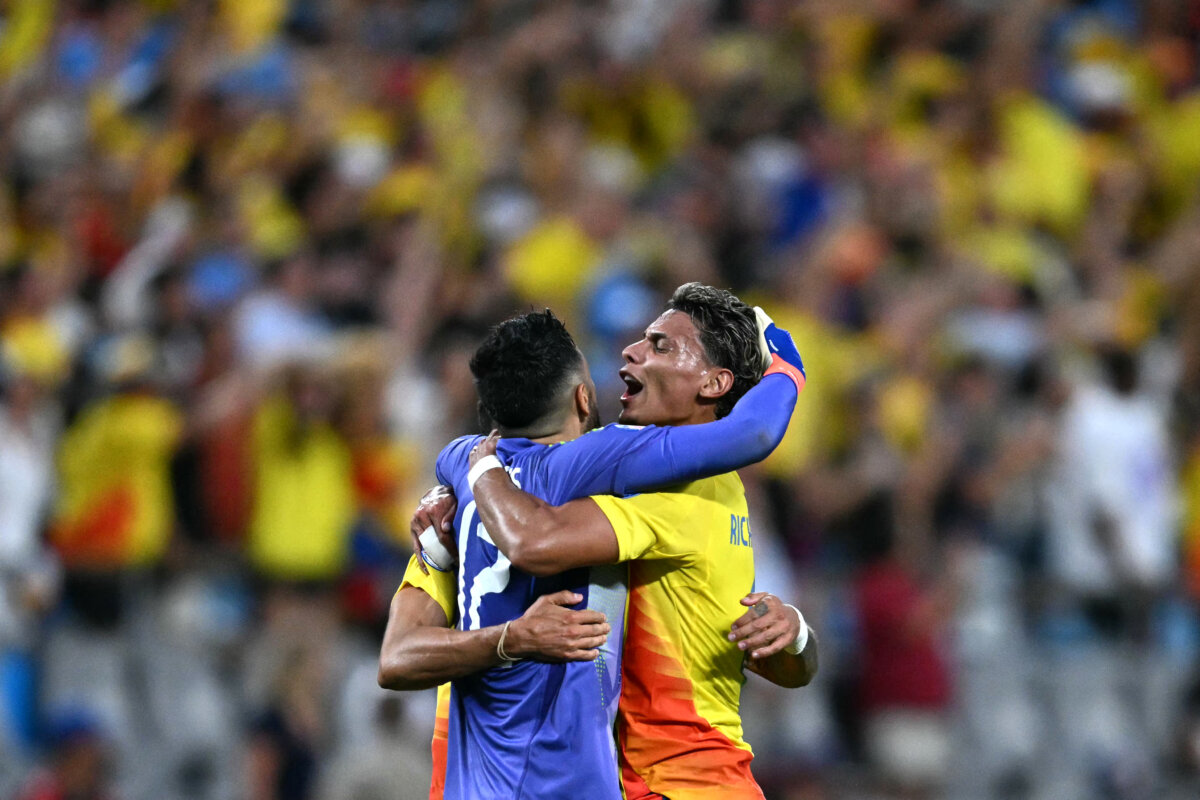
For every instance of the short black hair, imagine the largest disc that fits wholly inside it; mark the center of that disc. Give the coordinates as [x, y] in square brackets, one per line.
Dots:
[522, 368]
[729, 333]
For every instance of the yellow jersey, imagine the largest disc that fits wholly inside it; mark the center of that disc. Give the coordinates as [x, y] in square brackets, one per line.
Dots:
[691, 560]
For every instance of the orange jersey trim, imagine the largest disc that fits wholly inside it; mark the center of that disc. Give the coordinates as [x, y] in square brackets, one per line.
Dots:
[666, 747]
[440, 744]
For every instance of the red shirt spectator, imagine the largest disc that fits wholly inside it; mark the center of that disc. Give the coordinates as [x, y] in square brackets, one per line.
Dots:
[902, 665]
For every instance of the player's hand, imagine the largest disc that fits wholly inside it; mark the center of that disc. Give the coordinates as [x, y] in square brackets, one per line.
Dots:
[767, 628]
[436, 510]
[548, 631]
[485, 448]
[778, 351]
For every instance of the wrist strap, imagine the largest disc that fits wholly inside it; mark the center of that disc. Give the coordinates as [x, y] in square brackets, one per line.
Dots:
[781, 367]
[481, 466]
[797, 647]
[505, 657]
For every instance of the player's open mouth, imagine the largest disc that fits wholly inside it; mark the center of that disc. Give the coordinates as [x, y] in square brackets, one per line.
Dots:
[632, 385]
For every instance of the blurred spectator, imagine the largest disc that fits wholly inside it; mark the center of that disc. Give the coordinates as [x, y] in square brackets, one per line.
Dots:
[279, 324]
[385, 490]
[393, 765]
[78, 764]
[1112, 550]
[304, 491]
[28, 574]
[1112, 524]
[286, 737]
[905, 685]
[112, 528]
[299, 546]
[115, 509]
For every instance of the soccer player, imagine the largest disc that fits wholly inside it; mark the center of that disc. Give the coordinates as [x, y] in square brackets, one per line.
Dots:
[515, 727]
[678, 723]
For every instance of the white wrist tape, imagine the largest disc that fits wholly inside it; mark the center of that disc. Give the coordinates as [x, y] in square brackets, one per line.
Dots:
[434, 553]
[481, 466]
[796, 647]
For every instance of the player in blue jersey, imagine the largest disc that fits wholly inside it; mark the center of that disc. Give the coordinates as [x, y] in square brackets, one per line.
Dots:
[530, 728]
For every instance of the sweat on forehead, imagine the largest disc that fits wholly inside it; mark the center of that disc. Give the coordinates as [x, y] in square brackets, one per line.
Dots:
[678, 328]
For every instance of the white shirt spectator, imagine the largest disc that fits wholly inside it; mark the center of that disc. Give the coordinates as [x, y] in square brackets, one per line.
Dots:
[26, 463]
[271, 330]
[26, 481]
[1115, 461]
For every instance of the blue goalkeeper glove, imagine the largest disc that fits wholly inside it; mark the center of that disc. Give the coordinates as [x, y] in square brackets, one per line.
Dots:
[779, 352]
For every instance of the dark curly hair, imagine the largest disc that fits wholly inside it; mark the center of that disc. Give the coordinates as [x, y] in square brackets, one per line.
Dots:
[729, 333]
[523, 367]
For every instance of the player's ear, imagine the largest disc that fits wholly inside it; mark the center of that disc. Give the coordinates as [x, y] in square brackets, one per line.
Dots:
[583, 401]
[717, 383]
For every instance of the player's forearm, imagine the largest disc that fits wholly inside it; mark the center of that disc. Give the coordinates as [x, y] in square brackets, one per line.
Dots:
[753, 429]
[788, 670]
[523, 526]
[539, 538]
[427, 657]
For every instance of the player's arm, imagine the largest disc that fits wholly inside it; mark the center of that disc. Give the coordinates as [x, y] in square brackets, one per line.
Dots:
[544, 539]
[418, 643]
[777, 641]
[421, 650]
[537, 537]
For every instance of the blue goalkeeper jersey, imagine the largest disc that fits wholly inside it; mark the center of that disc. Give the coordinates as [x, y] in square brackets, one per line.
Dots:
[537, 730]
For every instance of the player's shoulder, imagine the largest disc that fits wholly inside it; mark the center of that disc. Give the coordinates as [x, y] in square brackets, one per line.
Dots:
[463, 443]
[599, 443]
[719, 492]
[612, 432]
[725, 490]
[715, 486]
[455, 454]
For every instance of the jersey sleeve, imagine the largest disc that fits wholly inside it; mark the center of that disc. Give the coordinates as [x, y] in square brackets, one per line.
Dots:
[660, 525]
[591, 464]
[441, 586]
[624, 459]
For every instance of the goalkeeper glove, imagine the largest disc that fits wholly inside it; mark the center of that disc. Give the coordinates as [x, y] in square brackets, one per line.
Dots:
[779, 352]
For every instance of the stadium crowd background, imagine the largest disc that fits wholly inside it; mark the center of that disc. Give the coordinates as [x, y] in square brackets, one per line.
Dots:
[246, 248]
